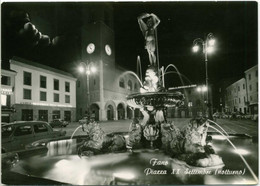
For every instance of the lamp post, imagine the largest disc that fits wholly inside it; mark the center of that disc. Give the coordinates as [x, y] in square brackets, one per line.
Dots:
[87, 69]
[201, 90]
[207, 46]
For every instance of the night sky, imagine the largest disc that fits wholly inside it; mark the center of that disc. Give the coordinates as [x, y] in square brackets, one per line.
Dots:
[234, 25]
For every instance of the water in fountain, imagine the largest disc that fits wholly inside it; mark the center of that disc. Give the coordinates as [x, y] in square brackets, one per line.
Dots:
[139, 68]
[218, 126]
[171, 65]
[134, 74]
[63, 147]
[75, 131]
[179, 74]
[243, 159]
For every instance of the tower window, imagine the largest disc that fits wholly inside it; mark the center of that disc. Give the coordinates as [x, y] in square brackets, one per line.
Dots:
[122, 83]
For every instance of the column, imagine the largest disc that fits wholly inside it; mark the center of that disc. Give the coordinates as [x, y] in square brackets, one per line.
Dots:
[115, 114]
[102, 111]
[102, 115]
[125, 112]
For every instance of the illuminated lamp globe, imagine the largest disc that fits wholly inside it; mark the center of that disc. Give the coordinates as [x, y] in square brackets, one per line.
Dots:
[81, 69]
[212, 42]
[93, 69]
[204, 89]
[195, 48]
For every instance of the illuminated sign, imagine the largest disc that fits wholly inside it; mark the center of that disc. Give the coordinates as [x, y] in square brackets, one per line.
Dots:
[6, 91]
[45, 104]
[182, 87]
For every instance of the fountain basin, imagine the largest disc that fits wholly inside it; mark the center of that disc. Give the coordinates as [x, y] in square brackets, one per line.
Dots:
[155, 99]
[61, 164]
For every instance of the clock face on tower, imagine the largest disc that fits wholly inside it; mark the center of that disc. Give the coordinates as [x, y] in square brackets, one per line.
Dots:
[108, 50]
[90, 48]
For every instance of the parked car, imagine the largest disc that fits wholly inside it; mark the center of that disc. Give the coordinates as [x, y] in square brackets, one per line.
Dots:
[59, 123]
[224, 116]
[216, 115]
[83, 120]
[15, 136]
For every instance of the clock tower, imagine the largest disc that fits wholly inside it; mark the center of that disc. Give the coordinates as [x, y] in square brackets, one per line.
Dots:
[97, 49]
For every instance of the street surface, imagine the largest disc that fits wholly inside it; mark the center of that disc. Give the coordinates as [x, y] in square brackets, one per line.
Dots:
[238, 126]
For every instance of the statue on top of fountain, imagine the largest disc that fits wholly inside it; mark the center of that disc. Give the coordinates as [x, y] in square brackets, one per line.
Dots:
[148, 29]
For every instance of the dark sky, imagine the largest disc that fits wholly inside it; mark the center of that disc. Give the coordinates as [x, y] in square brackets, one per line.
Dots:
[234, 25]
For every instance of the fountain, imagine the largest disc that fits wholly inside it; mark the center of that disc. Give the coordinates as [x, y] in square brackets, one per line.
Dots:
[154, 151]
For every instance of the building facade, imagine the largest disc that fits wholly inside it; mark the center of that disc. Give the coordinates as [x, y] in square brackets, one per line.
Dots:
[42, 93]
[236, 100]
[242, 96]
[7, 95]
[104, 92]
[251, 76]
[219, 94]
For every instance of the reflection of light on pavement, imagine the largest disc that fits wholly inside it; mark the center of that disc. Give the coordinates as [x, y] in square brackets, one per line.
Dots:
[219, 137]
[245, 182]
[242, 151]
[211, 179]
[124, 175]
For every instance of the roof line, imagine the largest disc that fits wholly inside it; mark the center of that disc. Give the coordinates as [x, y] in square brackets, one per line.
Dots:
[38, 65]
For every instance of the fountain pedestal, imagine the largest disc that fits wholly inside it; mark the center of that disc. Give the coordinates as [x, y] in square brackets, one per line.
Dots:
[153, 106]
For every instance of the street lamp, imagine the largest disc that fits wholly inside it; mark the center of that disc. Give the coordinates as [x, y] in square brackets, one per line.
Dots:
[207, 47]
[87, 69]
[201, 90]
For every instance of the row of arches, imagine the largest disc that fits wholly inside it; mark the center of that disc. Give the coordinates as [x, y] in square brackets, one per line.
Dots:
[113, 111]
[129, 84]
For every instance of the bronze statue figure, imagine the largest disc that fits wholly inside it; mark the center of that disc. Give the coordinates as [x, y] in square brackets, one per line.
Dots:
[148, 28]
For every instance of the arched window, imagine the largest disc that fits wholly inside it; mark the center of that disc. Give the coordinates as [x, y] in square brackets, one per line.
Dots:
[129, 85]
[122, 83]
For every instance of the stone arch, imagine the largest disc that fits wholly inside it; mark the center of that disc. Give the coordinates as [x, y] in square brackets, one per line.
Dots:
[95, 109]
[110, 109]
[121, 111]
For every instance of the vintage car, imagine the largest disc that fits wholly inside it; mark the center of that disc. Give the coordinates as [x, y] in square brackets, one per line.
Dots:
[15, 136]
[59, 123]
[83, 120]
